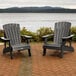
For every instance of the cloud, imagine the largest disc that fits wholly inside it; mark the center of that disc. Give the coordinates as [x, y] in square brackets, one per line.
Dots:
[22, 3]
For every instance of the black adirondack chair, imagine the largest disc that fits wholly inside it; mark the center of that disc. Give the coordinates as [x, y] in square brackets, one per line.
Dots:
[61, 36]
[13, 38]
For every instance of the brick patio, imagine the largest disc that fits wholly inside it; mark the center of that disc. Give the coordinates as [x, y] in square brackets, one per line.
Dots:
[38, 65]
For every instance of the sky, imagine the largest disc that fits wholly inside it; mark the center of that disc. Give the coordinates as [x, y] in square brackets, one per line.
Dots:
[27, 3]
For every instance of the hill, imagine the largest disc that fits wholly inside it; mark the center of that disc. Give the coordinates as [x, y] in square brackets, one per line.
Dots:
[45, 9]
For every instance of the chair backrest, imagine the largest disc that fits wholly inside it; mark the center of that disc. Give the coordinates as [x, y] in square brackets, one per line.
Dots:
[12, 32]
[62, 29]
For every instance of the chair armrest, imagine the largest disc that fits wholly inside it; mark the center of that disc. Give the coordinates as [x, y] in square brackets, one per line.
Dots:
[46, 36]
[26, 36]
[4, 39]
[68, 37]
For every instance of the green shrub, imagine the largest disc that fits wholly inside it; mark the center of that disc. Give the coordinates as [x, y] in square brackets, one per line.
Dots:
[24, 31]
[40, 32]
[1, 33]
[43, 31]
[38, 35]
[73, 31]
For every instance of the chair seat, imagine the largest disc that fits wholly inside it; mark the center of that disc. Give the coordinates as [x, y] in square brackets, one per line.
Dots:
[52, 46]
[20, 47]
[58, 47]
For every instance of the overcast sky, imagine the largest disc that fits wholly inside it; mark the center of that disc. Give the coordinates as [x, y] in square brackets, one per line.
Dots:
[24, 3]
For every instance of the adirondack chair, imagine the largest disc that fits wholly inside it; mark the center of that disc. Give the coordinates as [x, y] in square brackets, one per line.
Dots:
[13, 38]
[61, 36]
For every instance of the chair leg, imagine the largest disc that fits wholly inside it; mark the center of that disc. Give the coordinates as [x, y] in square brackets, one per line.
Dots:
[44, 51]
[18, 51]
[29, 52]
[11, 54]
[4, 51]
[61, 54]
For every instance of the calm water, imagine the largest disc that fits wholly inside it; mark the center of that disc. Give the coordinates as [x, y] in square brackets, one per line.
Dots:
[33, 21]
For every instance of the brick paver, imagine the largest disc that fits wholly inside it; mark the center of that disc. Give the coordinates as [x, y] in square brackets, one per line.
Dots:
[50, 65]
[38, 65]
[9, 67]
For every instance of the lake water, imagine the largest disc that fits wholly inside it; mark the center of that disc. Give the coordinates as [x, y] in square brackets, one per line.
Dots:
[33, 21]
